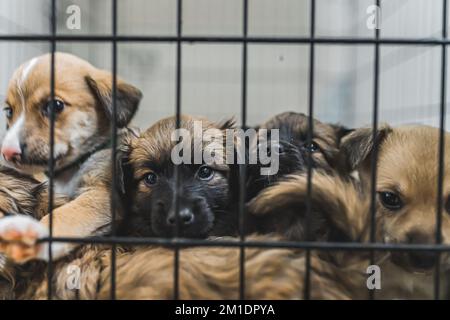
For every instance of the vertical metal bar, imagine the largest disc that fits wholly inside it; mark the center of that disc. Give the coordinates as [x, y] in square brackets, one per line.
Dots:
[176, 275]
[51, 162]
[309, 141]
[243, 171]
[114, 148]
[374, 155]
[441, 149]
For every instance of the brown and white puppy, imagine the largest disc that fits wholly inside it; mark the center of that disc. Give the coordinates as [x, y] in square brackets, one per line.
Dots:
[83, 113]
[293, 154]
[406, 208]
[206, 205]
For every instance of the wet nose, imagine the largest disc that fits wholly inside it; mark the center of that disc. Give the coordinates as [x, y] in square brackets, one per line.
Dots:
[185, 215]
[421, 259]
[11, 153]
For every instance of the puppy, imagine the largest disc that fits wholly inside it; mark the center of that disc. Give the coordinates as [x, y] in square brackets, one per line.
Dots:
[406, 207]
[83, 113]
[293, 153]
[149, 189]
[293, 148]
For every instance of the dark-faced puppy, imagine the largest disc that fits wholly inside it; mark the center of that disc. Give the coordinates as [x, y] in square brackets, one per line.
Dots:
[294, 151]
[148, 160]
[293, 148]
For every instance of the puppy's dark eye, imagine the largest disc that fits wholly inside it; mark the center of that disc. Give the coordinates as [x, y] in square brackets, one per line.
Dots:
[57, 104]
[151, 179]
[205, 173]
[311, 147]
[8, 112]
[390, 200]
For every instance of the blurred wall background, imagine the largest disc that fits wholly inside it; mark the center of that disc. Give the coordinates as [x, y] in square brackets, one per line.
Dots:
[277, 73]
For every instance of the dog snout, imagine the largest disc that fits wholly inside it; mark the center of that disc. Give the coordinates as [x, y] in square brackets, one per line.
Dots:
[186, 217]
[421, 259]
[419, 237]
[11, 153]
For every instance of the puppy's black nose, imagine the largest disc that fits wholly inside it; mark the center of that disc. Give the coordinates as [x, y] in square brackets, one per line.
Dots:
[421, 259]
[186, 217]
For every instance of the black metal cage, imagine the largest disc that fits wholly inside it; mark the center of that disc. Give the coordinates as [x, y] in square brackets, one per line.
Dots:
[243, 40]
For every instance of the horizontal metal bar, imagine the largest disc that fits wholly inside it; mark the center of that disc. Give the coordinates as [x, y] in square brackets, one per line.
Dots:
[183, 242]
[225, 39]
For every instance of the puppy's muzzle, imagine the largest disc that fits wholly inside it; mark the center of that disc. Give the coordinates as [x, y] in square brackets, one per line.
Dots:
[417, 260]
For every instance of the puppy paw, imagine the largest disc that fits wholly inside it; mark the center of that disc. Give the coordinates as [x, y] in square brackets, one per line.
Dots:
[18, 239]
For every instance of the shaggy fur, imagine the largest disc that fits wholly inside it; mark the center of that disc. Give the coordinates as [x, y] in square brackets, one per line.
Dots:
[19, 195]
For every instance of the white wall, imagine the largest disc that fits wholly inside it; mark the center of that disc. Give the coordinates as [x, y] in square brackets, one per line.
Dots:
[277, 74]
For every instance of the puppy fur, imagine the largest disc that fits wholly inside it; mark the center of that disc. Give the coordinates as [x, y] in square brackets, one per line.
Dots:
[82, 131]
[205, 201]
[213, 273]
[19, 195]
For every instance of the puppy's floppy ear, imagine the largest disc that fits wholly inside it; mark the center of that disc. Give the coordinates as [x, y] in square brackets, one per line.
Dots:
[127, 96]
[341, 131]
[358, 145]
[123, 169]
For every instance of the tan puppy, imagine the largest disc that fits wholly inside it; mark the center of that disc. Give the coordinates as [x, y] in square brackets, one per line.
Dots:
[83, 112]
[407, 187]
[407, 178]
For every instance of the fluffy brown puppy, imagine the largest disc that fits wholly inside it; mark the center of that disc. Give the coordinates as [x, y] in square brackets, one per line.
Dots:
[149, 181]
[407, 179]
[83, 113]
[213, 273]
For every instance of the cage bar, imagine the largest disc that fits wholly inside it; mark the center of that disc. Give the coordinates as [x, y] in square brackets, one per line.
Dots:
[51, 163]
